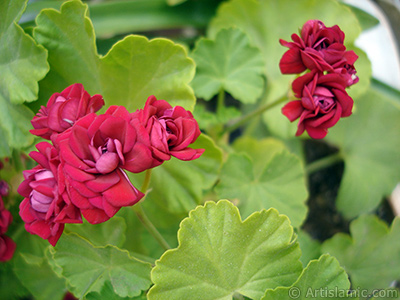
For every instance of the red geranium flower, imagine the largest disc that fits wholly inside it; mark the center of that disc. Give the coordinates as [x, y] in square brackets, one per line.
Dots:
[93, 154]
[168, 130]
[63, 110]
[319, 47]
[323, 102]
[46, 206]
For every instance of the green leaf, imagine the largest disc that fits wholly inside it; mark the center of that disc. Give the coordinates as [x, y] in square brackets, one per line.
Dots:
[68, 36]
[321, 279]
[228, 62]
[107, 292]
[132, 70]
[136, 68]
[369, 142]
[87, 268]
[111, 232]
[366, 20]
[39, 278]
[220, 255]
[176, 187]
[266, 22]
[265, 180]
[370, 255]
[179, 185]
[33, 269]
[386, 294]
[22, 64]
[10, 286]
[310, 248]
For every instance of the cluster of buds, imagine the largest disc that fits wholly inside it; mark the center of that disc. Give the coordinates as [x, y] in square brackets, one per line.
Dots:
[322, 99]
[82, 171]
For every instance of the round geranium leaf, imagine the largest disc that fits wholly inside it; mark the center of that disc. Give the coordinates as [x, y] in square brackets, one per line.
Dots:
[223, 255]
[134, 68]
[321, 279]
[370, 254]
[88, 268]
[228, 62]
[268, 176]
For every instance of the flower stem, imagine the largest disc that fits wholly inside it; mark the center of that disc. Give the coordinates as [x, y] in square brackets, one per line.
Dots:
[234, 124]
[221, 100]
[324, 163]
[150, 227]
[146, 181]
[138, 209]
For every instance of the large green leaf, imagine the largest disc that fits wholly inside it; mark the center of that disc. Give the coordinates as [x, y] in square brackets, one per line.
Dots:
[39, 278]
[136, 68]
[220, 255]
[321, 279]
[22, 64]
[270, 177]
[33, 269]
[132, 70]
[369, 141]
[87, 268]
[228, 62]
[371, 255]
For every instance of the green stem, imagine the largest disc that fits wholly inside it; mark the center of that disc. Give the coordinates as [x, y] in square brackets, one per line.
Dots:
[324, 163]
[234, 124]
[16, 159]
[146, 181]
[138, 209]
[221, 100]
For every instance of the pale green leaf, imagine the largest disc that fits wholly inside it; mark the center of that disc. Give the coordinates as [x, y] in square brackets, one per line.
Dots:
[220, 255]
[310, 248]
[370, 255]
[369, 141]
[134, 69]
[228, 62]
[87, 268]
[22, 64]
[321, 279]
[265, 180]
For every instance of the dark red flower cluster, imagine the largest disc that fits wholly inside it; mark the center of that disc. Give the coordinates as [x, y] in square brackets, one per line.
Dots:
[321, 92]
[7, 245]
[82, 173]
